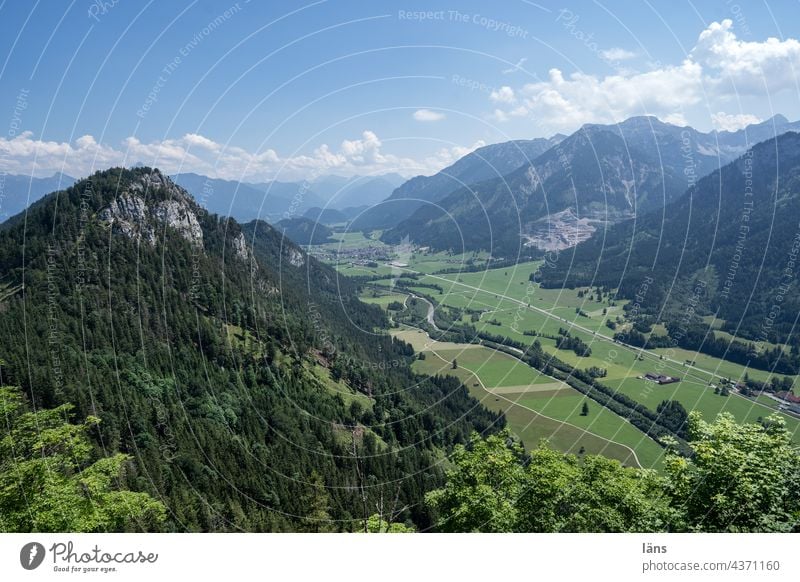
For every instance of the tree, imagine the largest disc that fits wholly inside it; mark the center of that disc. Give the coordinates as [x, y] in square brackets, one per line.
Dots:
[317, 502]
[740, 478]
[377, 524]
[674, 416]
[483, 487]
[492, 489]
[563, 493]
[455, 364]
[585, 409]
[49, 483]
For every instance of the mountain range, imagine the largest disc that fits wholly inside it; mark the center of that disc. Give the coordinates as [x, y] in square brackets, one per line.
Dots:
[17, 192]
[721, 257]
[273, 201]
[420, 192]
[601, 174]
[244, 201]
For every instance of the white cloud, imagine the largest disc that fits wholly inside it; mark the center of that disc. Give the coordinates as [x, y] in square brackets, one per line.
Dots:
[428, 115]
[504, 94]
[24, 154]
[616, 54]
[747, 67]
[446, 156]
[733, 122]
[563, 104]
[719, 68]
[200, 141]
[499, 115]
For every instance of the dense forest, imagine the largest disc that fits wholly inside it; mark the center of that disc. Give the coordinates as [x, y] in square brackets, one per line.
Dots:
[237, 382]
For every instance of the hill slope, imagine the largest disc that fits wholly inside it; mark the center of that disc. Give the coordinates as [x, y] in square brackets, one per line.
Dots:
[304, 231]
[484, 163]
[242, 376]
[728, 248]
[601, 174]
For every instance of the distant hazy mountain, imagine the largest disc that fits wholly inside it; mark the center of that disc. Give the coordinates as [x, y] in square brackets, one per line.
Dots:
[245, 201]
[19, 191]
[487, 162]
[273, 201]
[600, 174]
[331, 216]
[340, 192]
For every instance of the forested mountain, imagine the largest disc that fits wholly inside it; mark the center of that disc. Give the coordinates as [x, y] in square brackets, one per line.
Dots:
[728, 247]
[326, 215]
[18, 192]
[243, 378]
[487, 162]
[600, 174]
[304, 231]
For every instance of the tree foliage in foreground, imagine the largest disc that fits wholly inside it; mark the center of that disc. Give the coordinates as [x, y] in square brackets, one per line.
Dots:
[48, 481]
[739, 478]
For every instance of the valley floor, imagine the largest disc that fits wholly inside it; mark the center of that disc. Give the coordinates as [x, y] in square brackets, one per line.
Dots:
[503, 301]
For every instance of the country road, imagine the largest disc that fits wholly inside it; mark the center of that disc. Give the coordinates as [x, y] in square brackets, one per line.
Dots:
[595, 336]
[499, 396]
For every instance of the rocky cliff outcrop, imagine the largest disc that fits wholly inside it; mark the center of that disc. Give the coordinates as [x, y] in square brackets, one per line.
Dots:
[148, 204]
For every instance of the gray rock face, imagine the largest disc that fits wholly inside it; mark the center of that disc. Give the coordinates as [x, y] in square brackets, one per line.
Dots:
[296, 258]
[127, 215]
[180, 216]
[130, 214]
[240, 247]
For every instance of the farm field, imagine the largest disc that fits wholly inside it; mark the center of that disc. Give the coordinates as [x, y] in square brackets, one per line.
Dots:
[536, 406]
[624, 365]
[382, 298]
[560, 306]
[506, 303]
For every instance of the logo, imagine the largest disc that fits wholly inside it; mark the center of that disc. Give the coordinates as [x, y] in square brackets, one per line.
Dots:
[31, 555]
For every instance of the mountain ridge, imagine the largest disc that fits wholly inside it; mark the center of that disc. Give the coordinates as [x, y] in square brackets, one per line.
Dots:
[600, 174]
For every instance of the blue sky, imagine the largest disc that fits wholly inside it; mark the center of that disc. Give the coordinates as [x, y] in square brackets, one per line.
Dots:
[257, 90]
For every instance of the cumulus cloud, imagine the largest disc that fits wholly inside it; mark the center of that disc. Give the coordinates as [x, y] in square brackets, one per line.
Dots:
[719, 67]
[428, 115]
[733, 122]
[24, 154]
[747, 67]
[504, 94]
